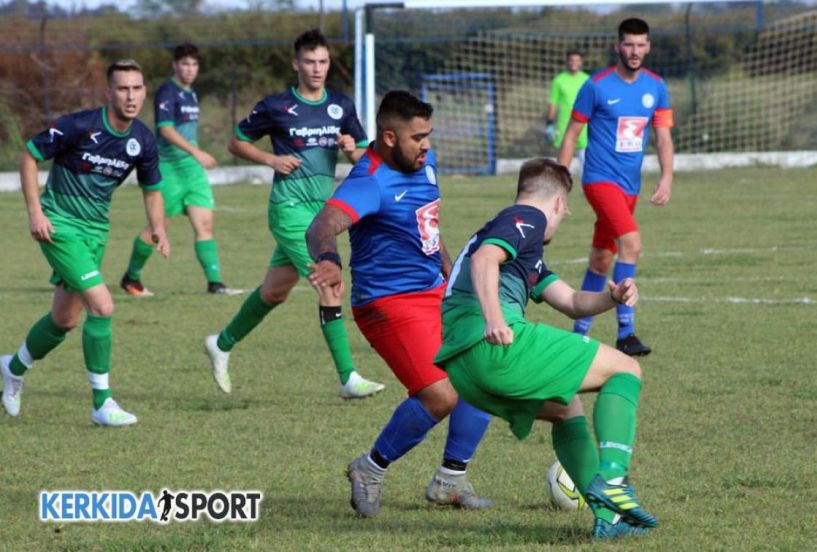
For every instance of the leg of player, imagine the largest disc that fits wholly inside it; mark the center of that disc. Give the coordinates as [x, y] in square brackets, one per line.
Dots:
[595, 279]
[201, 219]
[629, 251]
[96, 348]
[449, 486]
[352, 384]
[275, 289]
[142, 250]
[618, 379]
[46, 334]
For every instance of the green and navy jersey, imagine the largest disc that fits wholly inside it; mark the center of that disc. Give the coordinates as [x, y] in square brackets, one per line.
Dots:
[307, 130]
[520, 231]
[91, 160]
[176, 106]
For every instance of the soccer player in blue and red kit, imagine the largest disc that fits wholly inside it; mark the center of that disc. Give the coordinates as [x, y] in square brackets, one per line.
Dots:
[390, 204]
[619, 105]
[94, 151]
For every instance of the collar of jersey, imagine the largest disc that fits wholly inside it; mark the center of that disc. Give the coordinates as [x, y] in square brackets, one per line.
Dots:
[108, 126]
[179, 86]
[310, 102]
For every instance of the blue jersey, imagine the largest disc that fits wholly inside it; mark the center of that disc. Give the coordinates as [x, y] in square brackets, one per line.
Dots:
[91, 160]
[619, 115]
[395, 234]
[178, 107]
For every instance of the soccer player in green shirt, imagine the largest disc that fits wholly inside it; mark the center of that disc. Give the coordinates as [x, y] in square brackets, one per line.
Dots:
[307, 125]
[93, 152]
[520, 371]
[563, 92]
[186, 189]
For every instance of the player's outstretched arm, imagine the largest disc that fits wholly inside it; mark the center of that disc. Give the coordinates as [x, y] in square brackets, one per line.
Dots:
[38, 224]
[155, 211]
[173, 136]
[666, 155]
[485, 263]
[322, 244]
[574, 128]
[578, 304]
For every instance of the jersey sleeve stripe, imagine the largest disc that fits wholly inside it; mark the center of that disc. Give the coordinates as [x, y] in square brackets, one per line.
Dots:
[536, 292]
[161, 124]
[504, 245]
[362, 143]
[152, 188]
[663, 118]
[582, 118]
[32, 149]
[241, 136]
[345, 207]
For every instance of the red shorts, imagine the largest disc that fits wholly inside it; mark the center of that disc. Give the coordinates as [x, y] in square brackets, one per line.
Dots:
[614, 213]
[406, 331]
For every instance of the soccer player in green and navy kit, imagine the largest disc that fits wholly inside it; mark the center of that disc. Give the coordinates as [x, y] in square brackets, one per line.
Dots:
[186, 189]
[93, 152]
[307, 125]
[563, 91]
[520, 371]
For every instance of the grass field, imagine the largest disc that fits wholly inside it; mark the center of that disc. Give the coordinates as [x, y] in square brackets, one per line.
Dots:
[725, 455]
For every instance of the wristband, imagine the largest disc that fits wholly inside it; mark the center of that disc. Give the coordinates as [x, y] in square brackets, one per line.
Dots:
[330, 256]
[613, 297]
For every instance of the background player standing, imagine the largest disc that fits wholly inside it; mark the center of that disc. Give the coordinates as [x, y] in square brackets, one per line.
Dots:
[186, 188]
[563, 92]
[520, 371]
[93, 153]
[619, 104]
[390, 203]
[307, 125]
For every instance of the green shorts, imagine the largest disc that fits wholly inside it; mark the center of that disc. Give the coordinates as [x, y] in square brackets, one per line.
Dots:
[76, 260]
[288, 223]
[542, 364]
[185, 185]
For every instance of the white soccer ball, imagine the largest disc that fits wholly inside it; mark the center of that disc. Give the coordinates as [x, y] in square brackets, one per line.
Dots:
[561, 491]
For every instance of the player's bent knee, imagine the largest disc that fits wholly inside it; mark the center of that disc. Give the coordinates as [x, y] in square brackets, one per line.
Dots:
[439, 398]
[630, 365]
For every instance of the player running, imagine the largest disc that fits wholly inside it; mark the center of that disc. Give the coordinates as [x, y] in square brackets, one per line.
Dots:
[619, 105]
[390, 203]
[520, 371]
[186, 189]
[307, 125]
[93, 153]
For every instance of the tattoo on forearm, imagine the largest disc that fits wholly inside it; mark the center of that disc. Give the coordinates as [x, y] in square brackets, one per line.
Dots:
[321, 236]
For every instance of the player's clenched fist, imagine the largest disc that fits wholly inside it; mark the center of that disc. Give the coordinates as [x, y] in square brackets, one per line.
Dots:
[285, 164]
[40, 228]
[498, 333]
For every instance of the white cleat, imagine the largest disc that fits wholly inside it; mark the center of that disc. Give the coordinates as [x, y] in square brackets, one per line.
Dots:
[111, 414]
[12, 387]
[219, 360]
[358, 387]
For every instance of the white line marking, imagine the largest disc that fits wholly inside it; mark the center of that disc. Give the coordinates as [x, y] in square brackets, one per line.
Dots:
[706, 251]
[732, 300]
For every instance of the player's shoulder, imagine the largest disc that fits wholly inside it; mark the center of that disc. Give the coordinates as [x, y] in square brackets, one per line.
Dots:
[87, 119]
[167, 87]
[333, 96]
[652, 76]
[141, 132]
[602, 75]
[366, 167]
[516, 213]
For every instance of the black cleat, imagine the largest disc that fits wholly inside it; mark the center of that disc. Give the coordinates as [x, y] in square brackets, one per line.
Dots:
[632, 346]
[134, 287]
[218, 288]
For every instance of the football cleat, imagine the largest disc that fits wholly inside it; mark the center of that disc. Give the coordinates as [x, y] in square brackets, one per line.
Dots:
[134, 287]
[111, 414]
[220, 363]
[454, 490]
[620, 498]
[620, 527]
[367, 485]
[218, 288]
[358, 387]
[632, 346]
[12, 387]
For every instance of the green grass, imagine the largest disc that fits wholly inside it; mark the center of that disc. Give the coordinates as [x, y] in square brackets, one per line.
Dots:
[725, 449]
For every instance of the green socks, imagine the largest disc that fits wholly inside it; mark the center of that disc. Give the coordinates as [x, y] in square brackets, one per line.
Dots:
[576, 450]
[43, 336]
[252, 312]
[207, 255]
[334, 332]
[614, 419]
[96, 346]
[139, 256]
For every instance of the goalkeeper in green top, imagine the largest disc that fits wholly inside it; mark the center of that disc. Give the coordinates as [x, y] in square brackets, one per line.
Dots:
[307, 125]
[93, 152]
[186, 189]
[563, 92]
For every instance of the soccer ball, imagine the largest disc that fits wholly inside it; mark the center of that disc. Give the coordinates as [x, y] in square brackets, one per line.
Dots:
[561, 491]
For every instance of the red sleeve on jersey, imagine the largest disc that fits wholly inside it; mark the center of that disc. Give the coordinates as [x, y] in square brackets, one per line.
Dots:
[345, 207]
[580, 117]
[662, 118]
